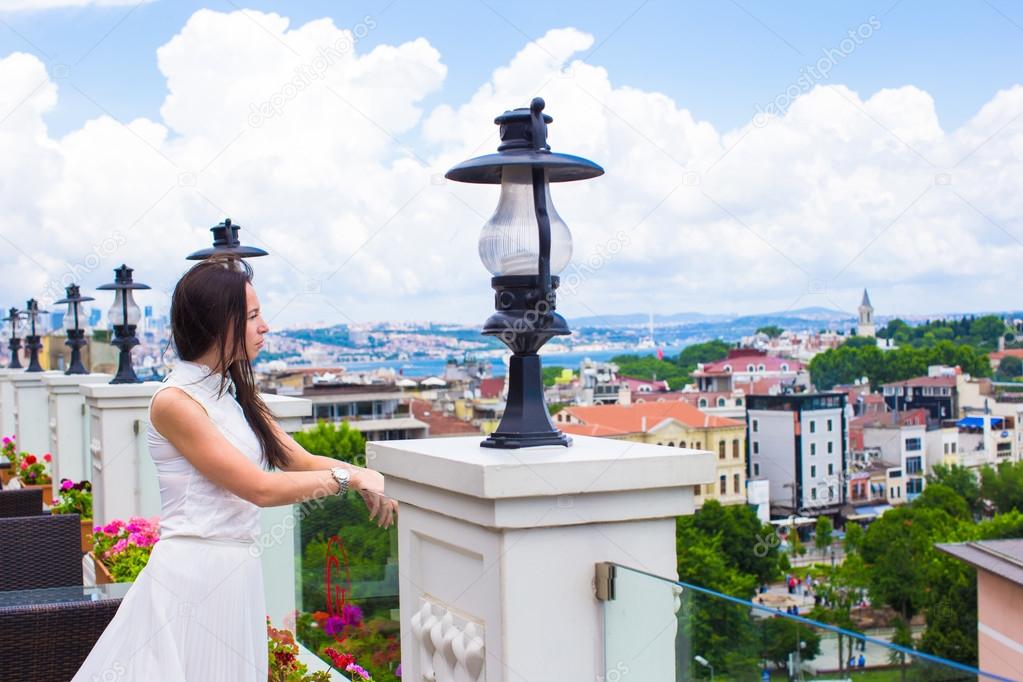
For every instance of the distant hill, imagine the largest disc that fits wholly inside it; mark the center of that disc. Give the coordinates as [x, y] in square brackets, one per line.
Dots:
[800, 315]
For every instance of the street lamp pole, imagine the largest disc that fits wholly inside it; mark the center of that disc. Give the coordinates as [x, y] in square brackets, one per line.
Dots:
[226, 241]
[524, 244]
[33, 344]
[14, 345]
[73, 326]
[124, 315]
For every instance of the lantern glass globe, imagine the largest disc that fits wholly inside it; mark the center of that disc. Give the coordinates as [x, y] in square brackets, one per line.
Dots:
[510, 241]
[116, 312]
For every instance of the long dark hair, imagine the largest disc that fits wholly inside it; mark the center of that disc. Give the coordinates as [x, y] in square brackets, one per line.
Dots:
[208, 306]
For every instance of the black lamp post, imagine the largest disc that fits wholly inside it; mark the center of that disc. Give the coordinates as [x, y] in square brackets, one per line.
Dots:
[225, 240]
[33, 344]
[524, 245]
[72, 324]
[14, 317]
[124, 315]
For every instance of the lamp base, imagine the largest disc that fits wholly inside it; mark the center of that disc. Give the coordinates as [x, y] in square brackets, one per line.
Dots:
[526, 422]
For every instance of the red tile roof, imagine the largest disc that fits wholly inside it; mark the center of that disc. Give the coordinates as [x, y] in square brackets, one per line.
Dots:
[915, 417]
[492, 387]
[642, 417]
[440, 424]
[771, 363]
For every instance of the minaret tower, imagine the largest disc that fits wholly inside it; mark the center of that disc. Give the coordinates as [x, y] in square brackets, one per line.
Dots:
[866, 323]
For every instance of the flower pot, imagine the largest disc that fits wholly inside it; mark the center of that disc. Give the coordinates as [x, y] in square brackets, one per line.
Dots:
[103, 576]
[47, 489]
[86, 535]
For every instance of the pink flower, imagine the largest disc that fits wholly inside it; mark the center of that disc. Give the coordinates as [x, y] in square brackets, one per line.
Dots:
[67, 484]
[47, 457]
[24, 464]
[357, 669]
[6, 440]
[118, 547]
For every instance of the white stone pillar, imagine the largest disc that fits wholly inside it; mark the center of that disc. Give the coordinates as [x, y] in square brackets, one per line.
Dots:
[68, 424]
[7, 407]
[31, 412]
[124, 482]
[498, 549]
[277, 543]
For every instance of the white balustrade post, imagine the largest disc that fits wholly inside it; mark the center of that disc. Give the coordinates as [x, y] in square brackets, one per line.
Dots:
[497, 549]
[31, 413]
[281, 569]
[123, 476]
[7, 406]
[68, 424]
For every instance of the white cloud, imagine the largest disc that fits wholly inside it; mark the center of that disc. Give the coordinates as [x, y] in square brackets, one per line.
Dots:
[30, 5]
[318, 148]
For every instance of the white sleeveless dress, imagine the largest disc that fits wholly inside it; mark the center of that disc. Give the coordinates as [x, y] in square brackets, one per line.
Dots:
[196, 612]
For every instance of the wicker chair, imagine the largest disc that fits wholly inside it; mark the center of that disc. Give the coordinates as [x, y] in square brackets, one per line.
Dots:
[61, 635]
[21, 502]
[40, 551]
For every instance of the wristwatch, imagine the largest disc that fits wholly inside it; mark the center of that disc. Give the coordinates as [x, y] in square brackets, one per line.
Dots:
[342, 477]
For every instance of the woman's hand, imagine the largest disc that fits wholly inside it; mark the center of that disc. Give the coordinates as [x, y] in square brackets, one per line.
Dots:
[370, 485]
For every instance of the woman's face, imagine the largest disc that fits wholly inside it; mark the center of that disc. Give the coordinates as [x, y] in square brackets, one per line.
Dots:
[255, 327]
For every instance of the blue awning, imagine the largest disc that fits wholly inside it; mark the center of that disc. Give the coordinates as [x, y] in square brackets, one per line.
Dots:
[978, 422]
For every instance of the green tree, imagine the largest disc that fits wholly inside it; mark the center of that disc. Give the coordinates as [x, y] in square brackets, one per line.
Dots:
[781, 636]
[960, 479]
[742, 538]
[939, 496]
[337, 440]
[853, 537]
[551, 375]
[823, 533]
[772, 330]
[1009, 368]
[696, 353]
[897, 547]
[650, 368]
[1003, 486]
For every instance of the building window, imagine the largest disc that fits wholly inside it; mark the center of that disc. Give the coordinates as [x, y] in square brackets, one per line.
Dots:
[671, 443]
[698, 445]
[738, 402]
[831, 447]
[784, 367]
[813, 493]
[831, 492]
[735, 483]
[761, 368]
[721, 449]
[681, 443]
[703, 402]
[830, 425]
[946, 448]
[831, 470]
[813, 448]
[914, 486]
[735, 448]
[756, 469]
[953, 448]
[913, 465]
[756, 447]
[756, 426]
[721, 402]
[697, 489]
[913, 444]
[749, 368]
[813, 426]
[813, 471]
[723, 485]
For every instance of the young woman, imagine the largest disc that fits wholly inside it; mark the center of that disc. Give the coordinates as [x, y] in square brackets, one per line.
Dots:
[196, 611]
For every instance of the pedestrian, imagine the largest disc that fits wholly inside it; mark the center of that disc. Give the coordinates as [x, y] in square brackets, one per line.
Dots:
[862, 662]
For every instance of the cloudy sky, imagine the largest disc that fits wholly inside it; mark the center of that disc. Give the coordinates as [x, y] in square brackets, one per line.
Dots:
[758, 159]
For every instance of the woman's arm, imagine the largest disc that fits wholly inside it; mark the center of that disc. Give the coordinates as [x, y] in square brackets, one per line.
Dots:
[370, 483]
[184, 422]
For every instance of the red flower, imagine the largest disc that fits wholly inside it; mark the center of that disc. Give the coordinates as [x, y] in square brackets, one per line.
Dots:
[341, 661]
[47, 457]
[31, 459]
